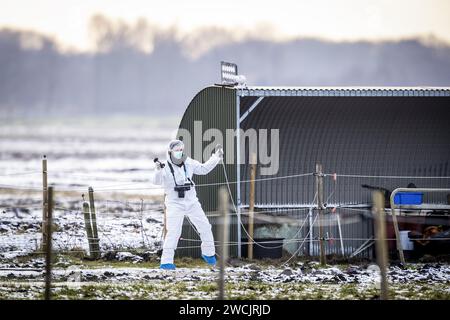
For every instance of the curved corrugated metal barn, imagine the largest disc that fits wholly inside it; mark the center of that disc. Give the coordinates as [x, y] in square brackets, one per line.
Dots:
[361, 134]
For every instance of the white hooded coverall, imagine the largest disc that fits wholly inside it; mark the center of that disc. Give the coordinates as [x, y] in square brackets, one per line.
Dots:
[177, 208]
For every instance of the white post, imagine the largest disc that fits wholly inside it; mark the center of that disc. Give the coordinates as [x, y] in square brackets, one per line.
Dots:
[340, 233]
[238, 173]
[44, 201]
[311, 251]
[251, 205]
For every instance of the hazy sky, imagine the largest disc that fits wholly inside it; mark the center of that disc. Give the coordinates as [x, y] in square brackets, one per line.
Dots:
[67, 20]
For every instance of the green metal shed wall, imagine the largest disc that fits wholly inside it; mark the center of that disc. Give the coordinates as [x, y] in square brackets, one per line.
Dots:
[341, 141]
[216, 108]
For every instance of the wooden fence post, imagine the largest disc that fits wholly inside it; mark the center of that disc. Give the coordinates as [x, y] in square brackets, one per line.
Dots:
[223, 205]
[48, 246]
[381, 249]
[87, 225]
[96, 244]
[320, 207]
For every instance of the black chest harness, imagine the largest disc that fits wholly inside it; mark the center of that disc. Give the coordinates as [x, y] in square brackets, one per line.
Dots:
[181, 189]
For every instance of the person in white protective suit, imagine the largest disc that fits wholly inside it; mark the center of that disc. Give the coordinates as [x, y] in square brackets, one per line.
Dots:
[181, 200]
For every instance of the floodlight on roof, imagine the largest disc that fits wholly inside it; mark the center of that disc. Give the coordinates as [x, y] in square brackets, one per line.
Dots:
[229, 74]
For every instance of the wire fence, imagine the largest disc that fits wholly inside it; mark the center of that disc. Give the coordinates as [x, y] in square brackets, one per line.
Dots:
[131, 207]
[155, 187]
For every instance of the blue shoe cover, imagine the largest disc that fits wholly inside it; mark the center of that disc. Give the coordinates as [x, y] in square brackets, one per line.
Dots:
[167, 266]
[210, 260]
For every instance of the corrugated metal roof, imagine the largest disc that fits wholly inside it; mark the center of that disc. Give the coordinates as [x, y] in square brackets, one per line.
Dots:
[345, 91]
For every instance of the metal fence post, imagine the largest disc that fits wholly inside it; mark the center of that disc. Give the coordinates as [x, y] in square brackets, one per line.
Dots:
[251, 205]
[44, 202]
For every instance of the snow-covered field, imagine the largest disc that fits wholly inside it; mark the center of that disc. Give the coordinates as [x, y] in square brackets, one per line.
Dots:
[114, 156]
[121, 226]
[299, 281]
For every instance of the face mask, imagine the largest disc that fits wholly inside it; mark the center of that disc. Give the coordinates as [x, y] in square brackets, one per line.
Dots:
[177, 154]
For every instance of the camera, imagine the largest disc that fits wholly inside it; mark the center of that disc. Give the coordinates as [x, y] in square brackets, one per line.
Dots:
[156, 160]
[182, 189]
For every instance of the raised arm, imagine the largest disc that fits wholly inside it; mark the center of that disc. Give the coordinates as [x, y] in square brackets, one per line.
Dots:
[205, 168]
